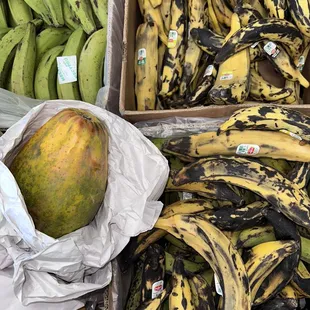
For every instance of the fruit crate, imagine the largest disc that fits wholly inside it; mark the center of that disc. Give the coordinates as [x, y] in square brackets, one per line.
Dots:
[127, 102]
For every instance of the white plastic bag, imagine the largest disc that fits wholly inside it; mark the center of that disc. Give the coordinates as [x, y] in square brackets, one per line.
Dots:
[49, 270]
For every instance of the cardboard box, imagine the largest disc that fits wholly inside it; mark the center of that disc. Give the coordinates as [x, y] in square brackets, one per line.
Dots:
[127, 103]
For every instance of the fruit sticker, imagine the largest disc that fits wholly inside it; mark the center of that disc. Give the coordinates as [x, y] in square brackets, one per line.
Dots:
[67, 69]
[247, 149]
[141, 56]
[301, 63]
[172, 38]
[157, 288]
[218, 286]
[271, 49]
[226, 76]
[208, 71]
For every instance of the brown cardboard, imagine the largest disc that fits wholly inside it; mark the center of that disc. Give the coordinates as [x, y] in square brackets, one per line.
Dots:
[127, 103]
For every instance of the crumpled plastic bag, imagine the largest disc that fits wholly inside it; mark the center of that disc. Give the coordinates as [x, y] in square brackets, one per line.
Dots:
[49, 270]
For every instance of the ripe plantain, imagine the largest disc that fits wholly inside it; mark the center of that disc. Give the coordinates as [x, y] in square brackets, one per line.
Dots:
[264, 258]
[214, 246]
[273, 118]
[146, 66]
[262, 180]
[270, 29]
[174, 57]
[151, 14]
[232, 83]
[249, 143]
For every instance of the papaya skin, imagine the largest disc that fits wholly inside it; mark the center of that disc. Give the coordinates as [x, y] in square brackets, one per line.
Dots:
[62, 171]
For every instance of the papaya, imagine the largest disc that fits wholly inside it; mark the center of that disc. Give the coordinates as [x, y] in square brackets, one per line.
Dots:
[62, 171]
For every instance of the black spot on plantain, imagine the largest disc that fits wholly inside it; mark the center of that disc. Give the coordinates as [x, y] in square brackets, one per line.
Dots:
[246, 286]
[174, 294]
[184, 303]
[78, 3]
[95, 3]
[240, 125]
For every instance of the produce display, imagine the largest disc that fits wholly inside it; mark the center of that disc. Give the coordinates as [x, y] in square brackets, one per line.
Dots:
[234, 233]
[204, 52]
[62, 171]
[53, 49]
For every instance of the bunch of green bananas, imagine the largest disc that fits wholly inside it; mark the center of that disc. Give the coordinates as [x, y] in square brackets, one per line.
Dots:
[203, 52]
[242, 239]
[34, 33]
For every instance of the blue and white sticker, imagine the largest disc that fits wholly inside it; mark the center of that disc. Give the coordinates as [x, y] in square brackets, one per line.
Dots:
[67, 69]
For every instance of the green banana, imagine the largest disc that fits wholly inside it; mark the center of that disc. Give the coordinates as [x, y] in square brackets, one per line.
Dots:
[188, 254]
[91, 66]
[305, 249]
[39, 7]
[71, 21]
[189, 266]
[255, 235]
[270, 29]
[262, 180]
[54, 8]
[3, 32]
[46, 75]
[20, 12]
[100, 8]
[134, 298]
[74, 46]
[3, 15]
[8, 46]
[49, 38]
[24, 64]
[83, 11]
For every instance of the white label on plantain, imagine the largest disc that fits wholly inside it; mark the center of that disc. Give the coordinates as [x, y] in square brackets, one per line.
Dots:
[254, 44]
[271, 49]
[247, 149]
[157, 288]
[141, 56]
[208, 71]
[226, 76]
[172, 38]
[67, 69]
[301, 63]
[218, 285]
